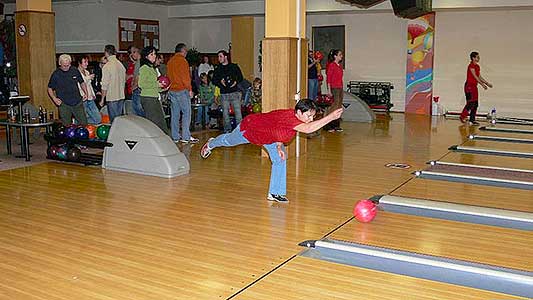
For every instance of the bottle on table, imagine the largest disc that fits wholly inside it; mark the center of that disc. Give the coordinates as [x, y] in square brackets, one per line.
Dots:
[41, 114]
[26, 116]
[11, 113]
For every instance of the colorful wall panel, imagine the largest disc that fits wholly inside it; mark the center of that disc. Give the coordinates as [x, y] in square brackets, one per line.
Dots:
[419, 81]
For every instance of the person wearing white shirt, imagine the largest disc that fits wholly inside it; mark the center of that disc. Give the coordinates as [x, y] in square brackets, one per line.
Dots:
[113, 83]
[205, 66]
[91, 111]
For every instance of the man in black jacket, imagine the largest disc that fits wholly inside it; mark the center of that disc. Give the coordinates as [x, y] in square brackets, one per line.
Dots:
[227, 77]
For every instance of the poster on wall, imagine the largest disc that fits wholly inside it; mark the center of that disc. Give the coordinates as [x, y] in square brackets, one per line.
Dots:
[138, 33]
[419, 73]
[326, 38]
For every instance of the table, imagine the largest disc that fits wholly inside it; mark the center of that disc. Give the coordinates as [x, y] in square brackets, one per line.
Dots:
[195, 107]
[19, 102]
[24, 135]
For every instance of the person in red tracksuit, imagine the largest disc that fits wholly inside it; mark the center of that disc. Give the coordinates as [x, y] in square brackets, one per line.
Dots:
[473, 78]
[334, 73]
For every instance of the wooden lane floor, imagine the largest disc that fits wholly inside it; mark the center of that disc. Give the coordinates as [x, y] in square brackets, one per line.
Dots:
[489, 160]
[483, 244]
[307, 278]
[468, 194]
[72, 232]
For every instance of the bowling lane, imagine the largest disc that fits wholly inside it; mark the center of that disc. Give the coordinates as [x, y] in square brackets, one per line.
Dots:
[464, 241]
[514, 126]
[504, 134]
[469, 194]
[307, 278]
[489, 160]
[500, 145]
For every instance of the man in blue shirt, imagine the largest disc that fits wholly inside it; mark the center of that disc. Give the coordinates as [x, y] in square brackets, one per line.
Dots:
[64, 92]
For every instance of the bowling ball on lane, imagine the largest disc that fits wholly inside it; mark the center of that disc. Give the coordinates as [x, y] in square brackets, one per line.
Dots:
[365, 211]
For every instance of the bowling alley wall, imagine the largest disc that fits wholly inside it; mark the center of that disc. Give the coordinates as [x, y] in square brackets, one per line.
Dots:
[375, 41]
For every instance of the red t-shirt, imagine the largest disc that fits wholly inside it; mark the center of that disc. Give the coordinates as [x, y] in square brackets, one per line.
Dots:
[270, 127]
[470, 79]
[334, 75]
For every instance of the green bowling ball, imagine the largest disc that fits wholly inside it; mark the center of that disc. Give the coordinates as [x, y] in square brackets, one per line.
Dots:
[256, 108]
[103, 131]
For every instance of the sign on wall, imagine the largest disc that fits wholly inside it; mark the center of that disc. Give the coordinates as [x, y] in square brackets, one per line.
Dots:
[138, 33]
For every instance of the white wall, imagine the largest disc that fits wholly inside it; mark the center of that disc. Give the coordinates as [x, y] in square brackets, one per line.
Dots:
[250, 8]
[83, 27]
[504, 39]
[178, 31]
[87, 26]
[211, 35]
[375, 46]
[259, 35]
[9, 8]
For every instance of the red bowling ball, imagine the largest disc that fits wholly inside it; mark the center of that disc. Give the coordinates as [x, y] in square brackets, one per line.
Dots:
[319, 55]
[164, 80]
[365, 211]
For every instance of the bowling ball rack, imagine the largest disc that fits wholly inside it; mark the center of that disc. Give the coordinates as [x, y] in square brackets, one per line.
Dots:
[376, 94]
[85, 158]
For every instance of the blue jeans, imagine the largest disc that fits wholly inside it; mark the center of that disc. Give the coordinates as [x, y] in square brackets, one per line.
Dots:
[92, 112]
[136, 103]
[115, 109]
[235, 100]
[180, 102]
[202, 113]
[312, 86]
[278, 174]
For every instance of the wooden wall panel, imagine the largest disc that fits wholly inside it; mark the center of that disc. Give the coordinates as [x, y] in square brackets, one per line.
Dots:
[279, 75]
[36, 55]
[242, 45]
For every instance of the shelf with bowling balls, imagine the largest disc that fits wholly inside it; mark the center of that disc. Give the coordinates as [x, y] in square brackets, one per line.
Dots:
[66, 142]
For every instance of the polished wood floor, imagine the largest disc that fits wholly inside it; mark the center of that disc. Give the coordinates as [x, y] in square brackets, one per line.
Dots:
[305, 278]
[73, 232]
[469, 194]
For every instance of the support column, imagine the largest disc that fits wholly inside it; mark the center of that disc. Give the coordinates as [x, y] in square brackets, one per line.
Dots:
[280, 52]
[36, 52]
[242, 45]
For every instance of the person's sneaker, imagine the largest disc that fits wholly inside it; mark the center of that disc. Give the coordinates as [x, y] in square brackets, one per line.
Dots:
[339, 129]
[474, 123]
[206, 151]
[463, 120]
[190, 140]
[331, 130]
[278, 198]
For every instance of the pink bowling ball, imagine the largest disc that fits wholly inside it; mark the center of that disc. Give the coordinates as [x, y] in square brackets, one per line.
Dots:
[164, 80]
[365, 211]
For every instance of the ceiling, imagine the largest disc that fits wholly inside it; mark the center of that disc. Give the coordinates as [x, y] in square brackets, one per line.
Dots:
[159, 2]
